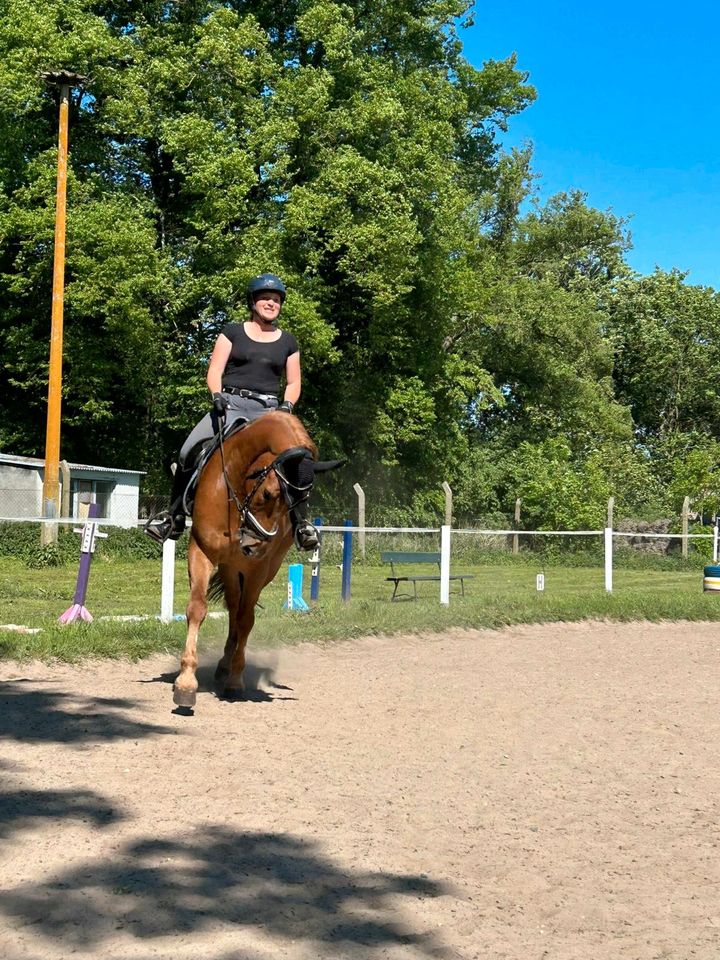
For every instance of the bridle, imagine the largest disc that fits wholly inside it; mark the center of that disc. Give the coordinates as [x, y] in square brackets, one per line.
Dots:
[293, 493]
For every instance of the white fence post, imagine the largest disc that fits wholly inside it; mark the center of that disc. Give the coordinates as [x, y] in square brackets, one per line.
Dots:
[167, 596]
[608, 559]
[361, 516]
[715, 540]
[445, 564]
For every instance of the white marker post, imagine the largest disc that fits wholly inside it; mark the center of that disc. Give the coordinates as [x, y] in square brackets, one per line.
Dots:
[167, 596]
[608, 559]
[445, 564]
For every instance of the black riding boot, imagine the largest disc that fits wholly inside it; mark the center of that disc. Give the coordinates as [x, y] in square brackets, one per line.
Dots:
[305, 534]
[170, 525]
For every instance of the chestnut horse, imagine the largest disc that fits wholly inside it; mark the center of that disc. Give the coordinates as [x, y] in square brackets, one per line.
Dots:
[241, 525]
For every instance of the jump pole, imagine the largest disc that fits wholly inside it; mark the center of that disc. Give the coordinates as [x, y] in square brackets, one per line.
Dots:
[346, 561]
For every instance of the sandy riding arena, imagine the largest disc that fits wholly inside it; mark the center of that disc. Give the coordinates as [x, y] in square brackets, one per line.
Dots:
[539, 792]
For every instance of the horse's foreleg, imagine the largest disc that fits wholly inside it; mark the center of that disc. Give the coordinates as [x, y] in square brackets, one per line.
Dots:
[244, 621]
[233, 583]
[200, 570]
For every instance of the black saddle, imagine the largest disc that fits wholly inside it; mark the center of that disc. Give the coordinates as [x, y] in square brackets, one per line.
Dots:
[201, 457]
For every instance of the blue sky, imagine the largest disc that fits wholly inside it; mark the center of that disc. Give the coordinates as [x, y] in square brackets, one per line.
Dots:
[628, 110]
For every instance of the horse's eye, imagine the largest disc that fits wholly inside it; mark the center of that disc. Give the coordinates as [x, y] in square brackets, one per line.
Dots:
[267, 495]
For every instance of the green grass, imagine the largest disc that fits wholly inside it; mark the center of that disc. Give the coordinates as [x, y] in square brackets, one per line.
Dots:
[499, 595]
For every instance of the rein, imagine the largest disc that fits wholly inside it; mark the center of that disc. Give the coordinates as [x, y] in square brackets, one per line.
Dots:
[248, 521]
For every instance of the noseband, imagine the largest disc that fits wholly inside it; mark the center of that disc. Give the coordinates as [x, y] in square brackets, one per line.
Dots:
[293, 493]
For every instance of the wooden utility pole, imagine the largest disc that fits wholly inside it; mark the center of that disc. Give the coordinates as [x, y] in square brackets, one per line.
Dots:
[64, 81]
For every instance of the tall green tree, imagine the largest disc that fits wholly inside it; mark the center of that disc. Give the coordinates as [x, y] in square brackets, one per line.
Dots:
[348, 146]
[667, 348]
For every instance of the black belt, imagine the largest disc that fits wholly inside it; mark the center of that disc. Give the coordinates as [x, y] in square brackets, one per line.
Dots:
[251, 395]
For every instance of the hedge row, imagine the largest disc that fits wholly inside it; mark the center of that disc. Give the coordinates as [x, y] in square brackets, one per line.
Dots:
[22, 541]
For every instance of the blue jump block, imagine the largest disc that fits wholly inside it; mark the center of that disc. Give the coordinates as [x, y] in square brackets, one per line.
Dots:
[295, 585]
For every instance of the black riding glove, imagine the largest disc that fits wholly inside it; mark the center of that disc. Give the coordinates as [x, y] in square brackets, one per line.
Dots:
[286, 406]
[220, 404]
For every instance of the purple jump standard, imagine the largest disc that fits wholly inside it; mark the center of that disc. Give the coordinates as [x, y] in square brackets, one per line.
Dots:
[87, 548]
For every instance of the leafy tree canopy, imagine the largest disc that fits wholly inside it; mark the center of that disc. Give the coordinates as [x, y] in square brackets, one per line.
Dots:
[446, 332]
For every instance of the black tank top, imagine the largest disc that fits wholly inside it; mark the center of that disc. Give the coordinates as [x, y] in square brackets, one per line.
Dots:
[256, 366]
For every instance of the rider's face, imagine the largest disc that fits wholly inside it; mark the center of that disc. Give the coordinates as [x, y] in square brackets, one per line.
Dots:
[267, 305]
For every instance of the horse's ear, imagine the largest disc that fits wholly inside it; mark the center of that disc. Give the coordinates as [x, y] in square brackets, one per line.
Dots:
[322, 466]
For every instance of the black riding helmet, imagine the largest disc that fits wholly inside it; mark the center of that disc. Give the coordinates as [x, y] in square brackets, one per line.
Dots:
[266, 281]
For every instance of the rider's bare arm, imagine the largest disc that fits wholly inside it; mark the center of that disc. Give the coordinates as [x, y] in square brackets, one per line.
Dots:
[218, 362]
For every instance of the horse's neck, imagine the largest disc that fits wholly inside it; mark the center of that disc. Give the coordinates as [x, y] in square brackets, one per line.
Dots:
[253, 442]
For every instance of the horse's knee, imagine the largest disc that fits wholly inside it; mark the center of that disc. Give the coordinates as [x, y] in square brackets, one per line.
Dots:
[196, 611]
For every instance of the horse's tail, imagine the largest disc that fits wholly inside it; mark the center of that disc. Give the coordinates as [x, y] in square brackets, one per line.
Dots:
[216, 588]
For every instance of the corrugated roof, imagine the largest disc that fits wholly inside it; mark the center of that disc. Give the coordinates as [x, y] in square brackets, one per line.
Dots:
[35, 462]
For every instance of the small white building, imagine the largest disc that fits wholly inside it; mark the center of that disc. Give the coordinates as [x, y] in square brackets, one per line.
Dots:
[115, 491]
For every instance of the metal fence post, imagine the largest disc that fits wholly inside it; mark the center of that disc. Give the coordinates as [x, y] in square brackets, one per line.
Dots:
[516, 538]
[447, 490]
[685, 517]
[65, 495]
[361, 515]
[347, 561]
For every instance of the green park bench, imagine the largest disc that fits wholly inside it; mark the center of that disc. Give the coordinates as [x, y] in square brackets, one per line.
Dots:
[411, 560]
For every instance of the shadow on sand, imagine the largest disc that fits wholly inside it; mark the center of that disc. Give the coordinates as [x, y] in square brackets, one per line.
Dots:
[20, 809]
[31, 715]
[223, 880]
[260, 683]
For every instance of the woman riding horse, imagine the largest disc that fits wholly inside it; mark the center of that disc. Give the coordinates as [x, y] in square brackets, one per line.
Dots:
[242, 524]
[246, 365]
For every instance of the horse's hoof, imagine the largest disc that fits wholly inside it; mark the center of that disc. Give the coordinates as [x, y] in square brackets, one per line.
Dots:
[184, 698]
[233, 694]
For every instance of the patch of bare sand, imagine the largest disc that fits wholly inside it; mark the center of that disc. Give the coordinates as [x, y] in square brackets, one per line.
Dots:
[537, 792]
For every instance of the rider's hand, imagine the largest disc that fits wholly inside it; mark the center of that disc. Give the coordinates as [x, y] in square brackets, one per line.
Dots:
[286, 406]
[220, 404]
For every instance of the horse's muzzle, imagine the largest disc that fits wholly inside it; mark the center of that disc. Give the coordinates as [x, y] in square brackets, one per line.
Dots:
[250, 543]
